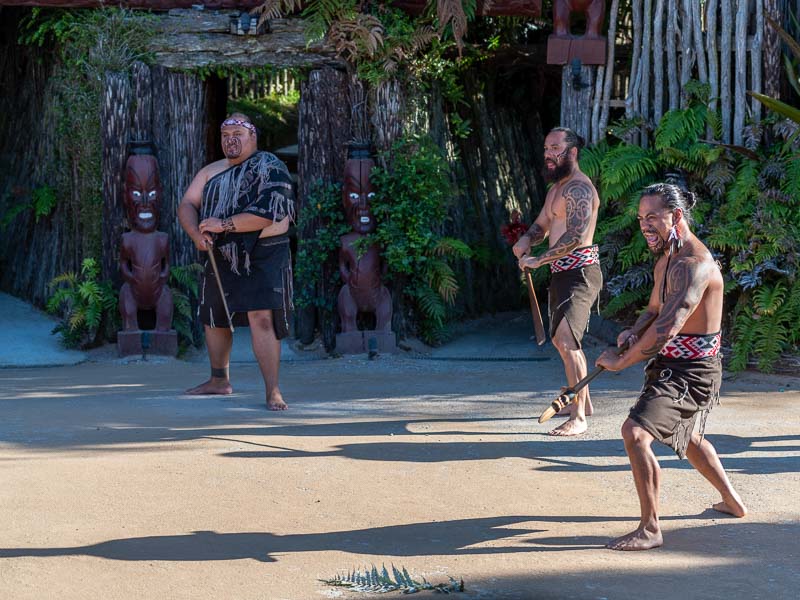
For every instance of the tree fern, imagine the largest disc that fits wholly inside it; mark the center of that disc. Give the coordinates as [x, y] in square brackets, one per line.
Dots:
[625, 168]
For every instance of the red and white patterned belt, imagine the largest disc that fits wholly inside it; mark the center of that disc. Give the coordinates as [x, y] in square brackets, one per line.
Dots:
[580, 257]
[692, 346]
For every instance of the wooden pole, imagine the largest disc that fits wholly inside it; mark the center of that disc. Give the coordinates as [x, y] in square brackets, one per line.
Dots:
[115, 118]
[755, 60]
[725, 99]
[687, 55]
[672, 55]
[647, 42]
[699, 47]
[711, 51]
[609, 74]
[658, 61]
[740, 80]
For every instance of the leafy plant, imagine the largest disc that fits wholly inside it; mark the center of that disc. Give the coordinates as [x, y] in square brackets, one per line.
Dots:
[315, 255]
[84, 303]
[410, 208]
[183, 283]
[380, 582]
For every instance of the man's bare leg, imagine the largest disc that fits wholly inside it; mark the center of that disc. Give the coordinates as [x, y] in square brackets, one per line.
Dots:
[703, 457]
[219, 341]
[647, 477]
[575, 369]
[267, 348]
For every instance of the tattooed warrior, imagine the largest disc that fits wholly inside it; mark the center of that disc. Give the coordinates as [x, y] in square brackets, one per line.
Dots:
[684, 368]
[240, 208]
[567, 220]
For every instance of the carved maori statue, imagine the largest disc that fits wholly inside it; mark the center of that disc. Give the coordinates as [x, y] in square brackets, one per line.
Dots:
[595, 11]
[144, 253]
[361, 271]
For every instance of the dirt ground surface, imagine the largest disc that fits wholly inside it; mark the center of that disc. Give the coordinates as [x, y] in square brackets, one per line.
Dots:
[114, 485]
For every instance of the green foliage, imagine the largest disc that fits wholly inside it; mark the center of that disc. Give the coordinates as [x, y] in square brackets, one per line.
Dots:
[84, 303]
[183, 283]
[381, 582]
[313, 264]
[410, 207]
[748, 214]
[43, 201]
[87, 44]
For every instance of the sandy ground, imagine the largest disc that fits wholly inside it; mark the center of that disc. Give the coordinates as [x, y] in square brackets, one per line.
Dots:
[114, 485]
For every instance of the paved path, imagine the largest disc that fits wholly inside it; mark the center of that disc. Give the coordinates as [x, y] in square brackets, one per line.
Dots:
[116, 486]
[26, 338]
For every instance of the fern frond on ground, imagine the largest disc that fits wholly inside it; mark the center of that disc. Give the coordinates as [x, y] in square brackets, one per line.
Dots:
[381, 582]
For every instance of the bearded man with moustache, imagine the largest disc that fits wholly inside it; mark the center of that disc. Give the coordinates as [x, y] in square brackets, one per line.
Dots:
[568, 218]
[240, 209]
[684, 372]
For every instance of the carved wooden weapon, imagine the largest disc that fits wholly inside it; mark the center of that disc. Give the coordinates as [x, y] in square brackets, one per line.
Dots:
[538, 325]
[568, 395]
[219, 285]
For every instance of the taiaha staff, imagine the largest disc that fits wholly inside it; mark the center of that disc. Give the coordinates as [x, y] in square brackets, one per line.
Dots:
[219, 283]
[538, 325]
[568, 395]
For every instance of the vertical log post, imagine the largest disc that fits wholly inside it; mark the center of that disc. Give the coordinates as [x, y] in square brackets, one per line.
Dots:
[142, 128]
[725, 99]
[323, 131]
[576, 101]
[772, 52]
[672, 55]
[180, 135]
[115, 117]
[740, 79]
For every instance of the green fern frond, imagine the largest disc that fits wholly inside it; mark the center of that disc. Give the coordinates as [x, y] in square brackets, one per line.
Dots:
[452, 247]
[768, 299]
[431, 304]
[628, 300]
[625, 168]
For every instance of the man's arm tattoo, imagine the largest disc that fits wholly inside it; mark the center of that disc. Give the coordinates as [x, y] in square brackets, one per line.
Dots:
[684, 291]
[645, 317]
[578, 196]
[535, 234]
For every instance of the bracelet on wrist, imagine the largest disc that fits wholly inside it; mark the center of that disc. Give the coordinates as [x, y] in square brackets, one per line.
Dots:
[228, 225]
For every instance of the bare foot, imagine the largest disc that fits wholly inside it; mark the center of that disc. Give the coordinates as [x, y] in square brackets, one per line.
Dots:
[275, 401]
[572, 427]
[215, 385]
[732, 506]
[640, 539]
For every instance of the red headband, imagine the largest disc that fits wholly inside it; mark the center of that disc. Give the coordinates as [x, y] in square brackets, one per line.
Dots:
[238, 123]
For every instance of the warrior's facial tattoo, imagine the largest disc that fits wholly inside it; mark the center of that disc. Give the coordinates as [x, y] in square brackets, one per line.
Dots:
[557, 165]
[235, 141]
[655, 222]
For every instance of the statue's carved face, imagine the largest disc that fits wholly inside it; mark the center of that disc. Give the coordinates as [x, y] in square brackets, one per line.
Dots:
[142, 193]
[357, 195]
